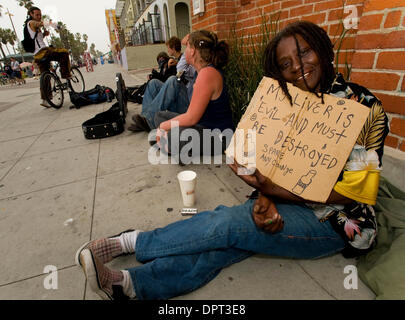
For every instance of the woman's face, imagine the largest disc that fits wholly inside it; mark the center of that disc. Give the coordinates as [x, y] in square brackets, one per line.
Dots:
[289, 63]
[189, 53]
[170, 51]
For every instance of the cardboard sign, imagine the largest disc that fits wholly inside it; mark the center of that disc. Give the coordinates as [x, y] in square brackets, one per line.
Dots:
[303, 147]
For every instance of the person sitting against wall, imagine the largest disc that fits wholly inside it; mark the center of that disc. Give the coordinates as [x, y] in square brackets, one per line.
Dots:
[165, 71]
[173, 95]
[174, 50]
[135, 94]
[209, 107]
[187, 254]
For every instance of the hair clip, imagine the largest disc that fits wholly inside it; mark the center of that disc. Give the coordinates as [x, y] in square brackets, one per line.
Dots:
[201, 43]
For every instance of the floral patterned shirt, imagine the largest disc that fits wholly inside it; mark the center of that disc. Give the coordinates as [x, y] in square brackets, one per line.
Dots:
[356, 223]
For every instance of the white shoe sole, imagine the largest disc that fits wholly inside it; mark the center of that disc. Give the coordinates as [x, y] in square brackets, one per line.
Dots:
[77, 256]
[89, 267]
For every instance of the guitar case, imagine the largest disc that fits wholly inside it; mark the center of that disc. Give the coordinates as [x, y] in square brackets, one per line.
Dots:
[111, 122]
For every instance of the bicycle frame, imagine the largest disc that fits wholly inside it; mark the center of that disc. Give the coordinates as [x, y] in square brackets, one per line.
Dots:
[64, 85]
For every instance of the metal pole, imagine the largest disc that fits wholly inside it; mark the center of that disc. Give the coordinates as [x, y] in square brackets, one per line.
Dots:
[18, 41]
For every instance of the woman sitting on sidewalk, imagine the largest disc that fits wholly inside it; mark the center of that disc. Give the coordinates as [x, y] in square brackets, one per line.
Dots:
[187, 254]
[172, 95]
[209, 107]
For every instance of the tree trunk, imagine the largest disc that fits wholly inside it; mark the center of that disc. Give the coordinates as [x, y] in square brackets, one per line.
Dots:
[8, 50]
[2, 52]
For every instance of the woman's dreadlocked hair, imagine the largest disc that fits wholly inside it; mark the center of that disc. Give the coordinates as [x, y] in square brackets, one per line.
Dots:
[318, 40]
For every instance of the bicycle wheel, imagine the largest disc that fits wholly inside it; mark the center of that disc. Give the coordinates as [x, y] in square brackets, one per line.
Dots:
[52, 89]
[77, 81]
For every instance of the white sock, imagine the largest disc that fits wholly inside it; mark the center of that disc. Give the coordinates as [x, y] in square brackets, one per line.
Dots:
[127, 286]
[128, 241]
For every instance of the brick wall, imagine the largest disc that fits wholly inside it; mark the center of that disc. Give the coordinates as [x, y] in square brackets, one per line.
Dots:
[379, 61]
[374, 49]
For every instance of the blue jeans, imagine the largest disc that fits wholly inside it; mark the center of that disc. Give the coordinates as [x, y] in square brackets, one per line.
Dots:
[187, 254]
[170, 95]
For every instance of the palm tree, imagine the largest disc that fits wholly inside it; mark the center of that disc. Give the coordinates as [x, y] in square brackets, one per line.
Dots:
[63, 35]
[12, 39]
[85, 38]
[9, 37]
[93, 50]
[2, 36]
[6, 37]
[27, 4]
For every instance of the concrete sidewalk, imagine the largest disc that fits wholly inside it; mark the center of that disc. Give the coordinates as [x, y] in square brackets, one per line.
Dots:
[59, 190]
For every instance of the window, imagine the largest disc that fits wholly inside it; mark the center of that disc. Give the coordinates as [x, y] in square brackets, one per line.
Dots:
[198, 6]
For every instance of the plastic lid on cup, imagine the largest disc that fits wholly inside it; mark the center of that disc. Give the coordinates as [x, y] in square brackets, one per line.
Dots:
[187, 175]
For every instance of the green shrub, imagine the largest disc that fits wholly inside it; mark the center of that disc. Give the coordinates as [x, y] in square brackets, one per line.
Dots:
[245, 67]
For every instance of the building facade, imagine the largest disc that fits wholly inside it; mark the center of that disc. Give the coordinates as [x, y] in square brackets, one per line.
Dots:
[153, 21]
[113, 26]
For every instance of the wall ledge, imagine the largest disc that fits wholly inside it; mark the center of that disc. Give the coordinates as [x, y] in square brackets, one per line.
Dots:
[394, 153]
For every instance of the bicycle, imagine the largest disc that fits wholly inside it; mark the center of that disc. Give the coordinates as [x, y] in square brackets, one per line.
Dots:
[51, 84]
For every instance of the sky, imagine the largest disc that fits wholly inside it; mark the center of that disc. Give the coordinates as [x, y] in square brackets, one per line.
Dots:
[83, 16]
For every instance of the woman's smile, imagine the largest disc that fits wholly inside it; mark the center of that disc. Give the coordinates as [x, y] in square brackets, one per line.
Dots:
[292, 61]
[304, 76]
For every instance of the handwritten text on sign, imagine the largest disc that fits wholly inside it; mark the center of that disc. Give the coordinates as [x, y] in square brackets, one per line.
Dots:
[301, 147]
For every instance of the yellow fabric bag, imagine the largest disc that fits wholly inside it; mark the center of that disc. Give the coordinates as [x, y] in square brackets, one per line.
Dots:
[361, 186]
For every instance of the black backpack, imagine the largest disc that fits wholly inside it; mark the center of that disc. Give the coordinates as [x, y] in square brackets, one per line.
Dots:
[28, 43]
[94, 96]
[135, 94]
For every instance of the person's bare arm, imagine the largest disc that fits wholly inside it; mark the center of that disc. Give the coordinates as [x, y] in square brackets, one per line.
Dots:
[206, 88]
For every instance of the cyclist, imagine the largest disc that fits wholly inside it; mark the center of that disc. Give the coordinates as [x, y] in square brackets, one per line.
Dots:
[44, 54]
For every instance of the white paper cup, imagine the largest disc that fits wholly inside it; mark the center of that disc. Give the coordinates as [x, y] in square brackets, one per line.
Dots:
[187, 181]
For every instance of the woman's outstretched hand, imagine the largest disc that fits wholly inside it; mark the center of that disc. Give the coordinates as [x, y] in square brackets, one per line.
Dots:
[266, 216]
[160, 134]
[162, 139]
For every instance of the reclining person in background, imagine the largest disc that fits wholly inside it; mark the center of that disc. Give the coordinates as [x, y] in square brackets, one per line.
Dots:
[135, 94]
[165, 71]
[187, 254]
[173, 95]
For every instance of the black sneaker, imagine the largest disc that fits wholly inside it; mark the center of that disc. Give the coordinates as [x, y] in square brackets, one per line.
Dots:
[141, 122]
